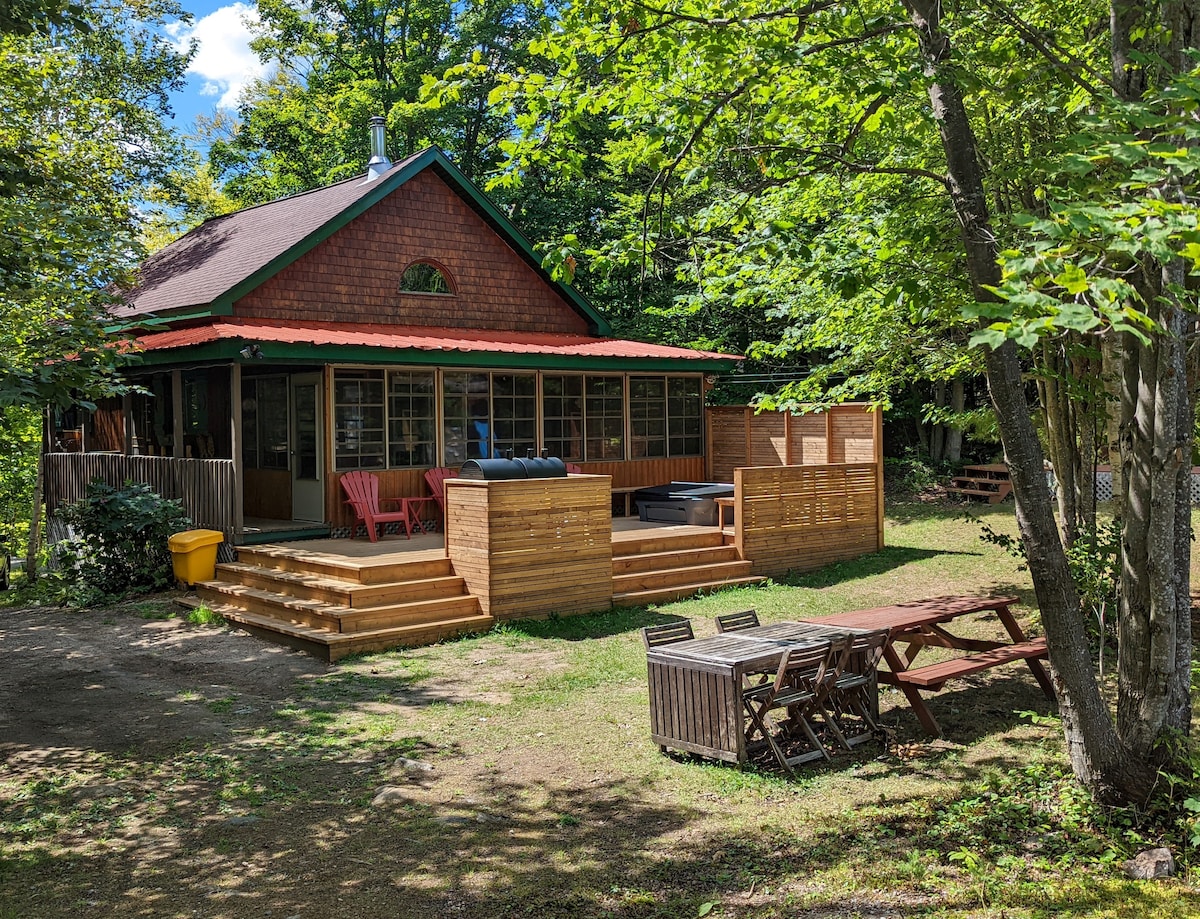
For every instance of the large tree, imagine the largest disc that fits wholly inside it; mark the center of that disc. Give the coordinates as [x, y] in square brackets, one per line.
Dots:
[81, 135]
[774, 96]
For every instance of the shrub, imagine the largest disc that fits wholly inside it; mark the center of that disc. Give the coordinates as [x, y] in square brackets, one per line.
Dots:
[119, 543]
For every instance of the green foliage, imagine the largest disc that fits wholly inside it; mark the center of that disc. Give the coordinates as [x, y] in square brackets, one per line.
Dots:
[119, 544]
[1120, 194]
[81, 130]
[20, 437]
[908, 475]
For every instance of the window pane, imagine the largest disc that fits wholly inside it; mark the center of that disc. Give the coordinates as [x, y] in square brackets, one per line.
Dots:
[604, 418]
[685, 416]
[358, 419]
[467, 421]
[514, 412]
[647, 416]
[412, 419]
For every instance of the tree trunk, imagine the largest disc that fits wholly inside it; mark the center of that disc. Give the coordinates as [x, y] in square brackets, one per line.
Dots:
[35, 512]
[1111, 359]
[937, 432]
[1096, 754]
[1154, 630]
[954, 434]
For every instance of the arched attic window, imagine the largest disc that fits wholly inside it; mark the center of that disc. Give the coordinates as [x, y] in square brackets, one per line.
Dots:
[425, 277]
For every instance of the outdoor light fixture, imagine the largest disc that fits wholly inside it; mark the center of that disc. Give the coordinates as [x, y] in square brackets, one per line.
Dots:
[251, 351]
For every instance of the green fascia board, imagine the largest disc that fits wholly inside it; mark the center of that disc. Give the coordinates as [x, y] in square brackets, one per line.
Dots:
[476, 198]
[166, 317]
[228, 351]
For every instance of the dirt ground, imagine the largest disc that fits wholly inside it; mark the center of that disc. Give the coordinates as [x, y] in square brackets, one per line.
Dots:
[154, 768]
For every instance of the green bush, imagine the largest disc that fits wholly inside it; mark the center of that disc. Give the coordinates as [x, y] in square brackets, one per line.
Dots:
[119, 540]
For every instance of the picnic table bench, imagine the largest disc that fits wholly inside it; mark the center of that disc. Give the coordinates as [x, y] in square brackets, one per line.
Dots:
[923, 623]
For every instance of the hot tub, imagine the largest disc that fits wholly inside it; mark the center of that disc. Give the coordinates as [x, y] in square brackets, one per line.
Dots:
[681, 502]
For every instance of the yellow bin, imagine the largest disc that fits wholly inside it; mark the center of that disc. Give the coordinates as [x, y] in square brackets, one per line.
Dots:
[194, 554]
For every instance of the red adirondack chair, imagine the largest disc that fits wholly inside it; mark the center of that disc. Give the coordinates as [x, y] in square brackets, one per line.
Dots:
[362, 494]
[436, 480]
[573, 468]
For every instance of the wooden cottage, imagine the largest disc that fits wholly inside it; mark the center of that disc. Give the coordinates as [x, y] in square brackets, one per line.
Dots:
[396, 322]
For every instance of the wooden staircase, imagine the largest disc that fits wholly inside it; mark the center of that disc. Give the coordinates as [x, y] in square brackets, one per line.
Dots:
[331, 606]
[660, 565]
[990, 482]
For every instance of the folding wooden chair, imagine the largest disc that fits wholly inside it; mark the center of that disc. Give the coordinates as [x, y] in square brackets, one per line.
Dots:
[804, 678]
[851, 691]
[734, 622]
[362, 494]
[656, 635]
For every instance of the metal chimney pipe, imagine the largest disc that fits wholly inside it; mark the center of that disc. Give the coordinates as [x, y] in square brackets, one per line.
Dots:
[379, 163]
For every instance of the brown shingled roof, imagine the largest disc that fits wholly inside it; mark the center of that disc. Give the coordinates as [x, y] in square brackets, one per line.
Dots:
[199, 268]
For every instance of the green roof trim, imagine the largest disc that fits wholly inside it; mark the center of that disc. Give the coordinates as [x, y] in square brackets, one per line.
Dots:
[277, 353]
[597, 324]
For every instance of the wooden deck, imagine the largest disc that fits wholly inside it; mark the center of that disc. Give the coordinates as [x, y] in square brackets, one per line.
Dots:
[333, 597]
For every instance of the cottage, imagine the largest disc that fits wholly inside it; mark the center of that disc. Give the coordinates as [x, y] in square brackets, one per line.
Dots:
[392, 322]
[398, 322]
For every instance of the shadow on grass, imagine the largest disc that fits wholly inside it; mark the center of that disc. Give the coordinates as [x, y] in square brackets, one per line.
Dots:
[614, 848]
[885, 560]
[616, 621]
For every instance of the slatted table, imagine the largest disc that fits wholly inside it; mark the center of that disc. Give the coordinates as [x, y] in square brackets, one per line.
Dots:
[696, 685]
[922, 623]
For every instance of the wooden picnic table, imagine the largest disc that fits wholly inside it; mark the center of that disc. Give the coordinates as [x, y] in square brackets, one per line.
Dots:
[922, 623]
[696, 685]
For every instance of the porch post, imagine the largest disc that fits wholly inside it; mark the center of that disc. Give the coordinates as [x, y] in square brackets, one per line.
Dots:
[127, 418]
[177, 414]
[235, 440]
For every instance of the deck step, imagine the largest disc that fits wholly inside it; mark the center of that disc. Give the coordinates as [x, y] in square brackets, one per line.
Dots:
[679, 558]
[718, 573]
[641, 542]
[333, 646]
[379, 570]
[679, 592]
[332, 617]
[332, 590]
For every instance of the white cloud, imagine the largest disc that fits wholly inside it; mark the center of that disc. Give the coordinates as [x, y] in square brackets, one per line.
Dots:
[223, 58]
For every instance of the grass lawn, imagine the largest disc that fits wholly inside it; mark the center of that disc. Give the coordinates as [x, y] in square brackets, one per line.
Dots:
[512, 775]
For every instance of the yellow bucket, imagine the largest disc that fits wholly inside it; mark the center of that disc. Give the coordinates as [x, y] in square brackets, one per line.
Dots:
[194, 554]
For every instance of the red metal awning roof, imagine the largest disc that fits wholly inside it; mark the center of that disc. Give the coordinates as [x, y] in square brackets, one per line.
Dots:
[420, 338]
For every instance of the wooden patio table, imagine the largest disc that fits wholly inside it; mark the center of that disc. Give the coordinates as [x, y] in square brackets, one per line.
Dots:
[696, 685]
[922, 623]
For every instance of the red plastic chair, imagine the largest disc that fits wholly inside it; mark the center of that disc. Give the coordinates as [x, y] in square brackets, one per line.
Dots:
[362, 494]
[436, 480]
[573, 468]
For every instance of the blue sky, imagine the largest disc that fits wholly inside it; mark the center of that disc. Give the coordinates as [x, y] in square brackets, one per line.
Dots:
[223, 63]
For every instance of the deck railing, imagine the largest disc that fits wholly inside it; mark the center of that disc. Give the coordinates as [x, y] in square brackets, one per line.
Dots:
[205, 486]
[797, 518]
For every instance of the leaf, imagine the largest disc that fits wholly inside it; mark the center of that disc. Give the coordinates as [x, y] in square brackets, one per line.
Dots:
[705, 908]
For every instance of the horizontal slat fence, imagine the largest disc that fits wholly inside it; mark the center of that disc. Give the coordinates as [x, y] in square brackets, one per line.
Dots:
[739, 436]
[205, 486]
[797, 518]
[531, 547]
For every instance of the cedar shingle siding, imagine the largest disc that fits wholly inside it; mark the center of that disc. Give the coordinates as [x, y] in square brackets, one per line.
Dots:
[354, 276]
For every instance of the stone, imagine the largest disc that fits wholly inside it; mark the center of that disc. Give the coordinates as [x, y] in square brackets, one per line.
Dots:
[1150, 865]
[413, 765]
[389, 794]
[242, 820]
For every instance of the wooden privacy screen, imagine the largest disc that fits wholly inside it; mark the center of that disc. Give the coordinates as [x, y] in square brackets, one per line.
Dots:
[206, 487]
[530, 547]
[796, 518]
[846, 433]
